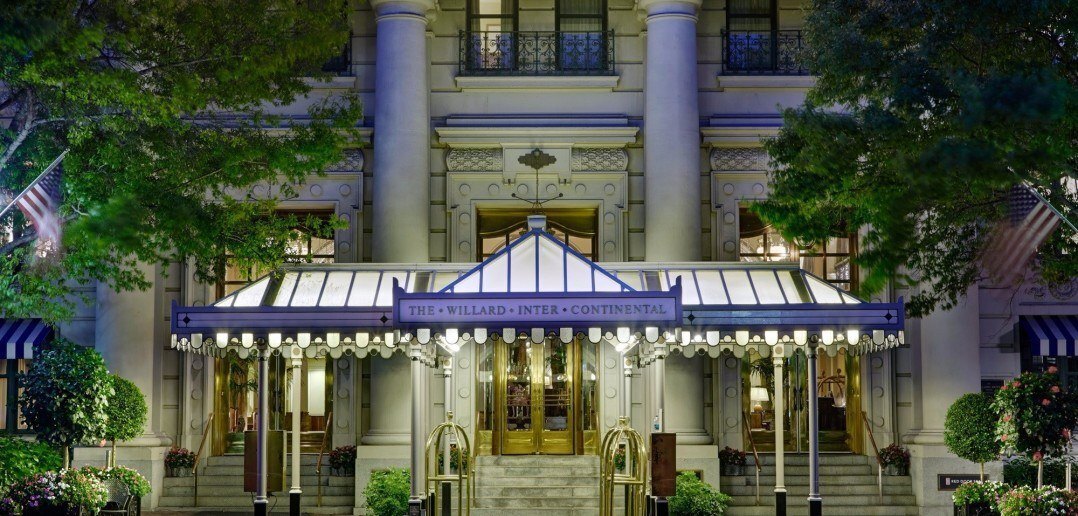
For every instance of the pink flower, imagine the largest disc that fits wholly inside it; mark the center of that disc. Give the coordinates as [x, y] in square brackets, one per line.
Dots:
[1067, 433]
[1037, 456]
[1003, 388]
[1006, 418]
[1055, 389]
[1053, 369]
[1003, 437]
[1045, 402]
[1015, 384]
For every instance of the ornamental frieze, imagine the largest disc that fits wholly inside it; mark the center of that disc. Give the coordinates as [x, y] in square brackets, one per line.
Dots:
[600, 159]
[739, 158]
[474, 160]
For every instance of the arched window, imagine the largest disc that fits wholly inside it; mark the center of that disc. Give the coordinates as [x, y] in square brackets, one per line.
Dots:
[831, 260]
[497, 228]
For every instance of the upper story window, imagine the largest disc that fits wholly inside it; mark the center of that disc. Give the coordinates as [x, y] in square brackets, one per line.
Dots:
[579, 44]
[831, 260]
[753, 44]
[498, 228]
[303, 247]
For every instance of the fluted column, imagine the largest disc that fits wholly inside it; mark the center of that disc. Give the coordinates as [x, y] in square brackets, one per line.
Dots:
[401, 219]
[671, 132]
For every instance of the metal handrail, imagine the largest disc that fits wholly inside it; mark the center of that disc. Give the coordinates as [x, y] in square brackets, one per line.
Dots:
[519, 53]
[321, 451]
[198, 455]
[879, 460]
[755, 454]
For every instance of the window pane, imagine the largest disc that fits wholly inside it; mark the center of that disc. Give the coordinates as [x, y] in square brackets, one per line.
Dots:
[742, 7]
[580, 7]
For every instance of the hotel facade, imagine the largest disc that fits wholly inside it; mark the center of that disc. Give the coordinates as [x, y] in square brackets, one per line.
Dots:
[638, 127]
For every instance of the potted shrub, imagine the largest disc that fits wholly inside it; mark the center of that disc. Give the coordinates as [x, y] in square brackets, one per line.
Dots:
[1042, 501]
[694, 497]
[969, 430]
[68, 492]
[732, 461]
[342, 461]
[1035, 417]
[979, 498]
[179, 462]
[126, 413]
[387, 492]
[65, 395]
[895, 460]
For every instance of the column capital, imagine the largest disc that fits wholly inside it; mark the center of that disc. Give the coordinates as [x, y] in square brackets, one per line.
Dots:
[655, 8]
[384, 8]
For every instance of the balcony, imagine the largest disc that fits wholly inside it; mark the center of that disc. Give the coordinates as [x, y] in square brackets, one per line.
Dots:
[536, 53]
[775, 52]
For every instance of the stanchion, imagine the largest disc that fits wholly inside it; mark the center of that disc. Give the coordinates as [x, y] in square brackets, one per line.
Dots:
[446, 434]
[634, 476]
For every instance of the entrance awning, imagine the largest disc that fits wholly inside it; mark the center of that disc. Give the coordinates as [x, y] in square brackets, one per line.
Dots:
[1050, 335]
[20, 337]
[538, 287]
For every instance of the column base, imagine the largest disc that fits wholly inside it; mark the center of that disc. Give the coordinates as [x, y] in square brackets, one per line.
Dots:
[780, 503]
[415, 507]
[261, 507]
[294, 502]
[815, 507]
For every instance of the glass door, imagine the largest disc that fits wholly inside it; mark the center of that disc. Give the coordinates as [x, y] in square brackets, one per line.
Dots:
[538, 388]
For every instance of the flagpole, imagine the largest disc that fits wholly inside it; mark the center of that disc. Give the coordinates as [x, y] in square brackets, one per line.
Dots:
[34, 182]
[1050, 206]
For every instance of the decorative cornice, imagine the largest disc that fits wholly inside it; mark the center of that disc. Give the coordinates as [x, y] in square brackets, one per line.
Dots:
[474, 160]
[738, 158]
[600, 159]
[352, 162]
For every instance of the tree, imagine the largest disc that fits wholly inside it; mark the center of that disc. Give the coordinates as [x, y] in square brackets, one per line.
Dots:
[126, 412]
[970, 429]
[924, 114]
[163, 108]
[1036, 416]
[65, 396]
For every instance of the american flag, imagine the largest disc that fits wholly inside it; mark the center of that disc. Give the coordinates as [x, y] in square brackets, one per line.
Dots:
[40, 201]
[1029, 223]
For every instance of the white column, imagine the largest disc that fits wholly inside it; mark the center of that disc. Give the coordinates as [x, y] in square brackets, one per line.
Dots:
[627, 388]
[418, 484]
[297, 405]
[780, 413]
[685, 416]
[447, 399]
[400, 218]
[671, 132]
[659, 366]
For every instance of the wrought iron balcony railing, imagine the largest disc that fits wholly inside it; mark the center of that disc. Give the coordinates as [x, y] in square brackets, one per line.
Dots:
[536, 53]
[768, 52]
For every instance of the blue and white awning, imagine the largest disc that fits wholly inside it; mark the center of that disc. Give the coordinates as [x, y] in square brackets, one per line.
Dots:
[1050, 335]
[20, 337]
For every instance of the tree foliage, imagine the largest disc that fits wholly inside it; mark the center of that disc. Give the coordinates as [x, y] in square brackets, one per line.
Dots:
[970, 428]
[126, 410]
[66, 394]
[923, 116]
[163, 106]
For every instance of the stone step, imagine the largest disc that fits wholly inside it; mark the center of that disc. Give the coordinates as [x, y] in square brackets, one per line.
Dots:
[225, 480]
[237, 490]
[801, 499]
[803, 480]
[306, 459]
[838, 489]
[538, 492]
[510, 471]
[541, 461]
[515, 503]
[561, 511]
[824, 470]
[830, 510]
[307, 508]
[279, 501]
[800, 459]
[487, 480]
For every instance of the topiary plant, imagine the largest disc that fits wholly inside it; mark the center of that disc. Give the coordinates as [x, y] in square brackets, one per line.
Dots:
[1036, 416]
[126, 412]
[694, 497]
[20, 459]
[387, 492]
[65, 395]
[970, 429]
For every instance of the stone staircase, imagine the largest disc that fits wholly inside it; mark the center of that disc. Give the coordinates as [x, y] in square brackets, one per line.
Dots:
[847, 485]
[537, 485]
[220, 490]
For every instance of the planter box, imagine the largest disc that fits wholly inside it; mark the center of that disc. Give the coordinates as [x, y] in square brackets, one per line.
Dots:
[343, 472]
[179, 472]
[977, 509]
[893, 470]
[733, 469]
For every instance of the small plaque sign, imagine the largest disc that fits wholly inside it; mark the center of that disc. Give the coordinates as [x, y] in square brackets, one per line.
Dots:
[951, 481]
[663, 464]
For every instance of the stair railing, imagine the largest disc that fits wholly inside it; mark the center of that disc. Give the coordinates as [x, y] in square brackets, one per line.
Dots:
[198, 455]
[879, 460]
[321, 451]
[755, 454]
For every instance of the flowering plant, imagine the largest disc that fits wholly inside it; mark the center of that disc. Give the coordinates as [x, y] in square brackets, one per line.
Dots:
[343, 457]
[1045, 501]
[136, 484]
[985, 491]
[454, 459]
[895, 455]
[732, 456]
[179, 458]
[56, 491]
[1036, 415]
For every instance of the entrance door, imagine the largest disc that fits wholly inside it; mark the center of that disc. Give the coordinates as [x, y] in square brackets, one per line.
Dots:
[539, 409]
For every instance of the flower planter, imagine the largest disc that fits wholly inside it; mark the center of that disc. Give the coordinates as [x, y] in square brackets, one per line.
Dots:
[896, 470]
[343, 472]
[733, 469]
[974, 509]
[54, 511]
[179, 472]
